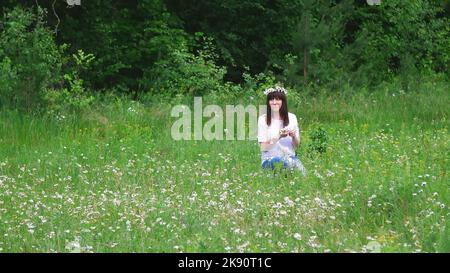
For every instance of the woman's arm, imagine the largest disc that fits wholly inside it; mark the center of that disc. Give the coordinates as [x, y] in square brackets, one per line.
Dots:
[295, 140]
[266, 146]
[295, 132]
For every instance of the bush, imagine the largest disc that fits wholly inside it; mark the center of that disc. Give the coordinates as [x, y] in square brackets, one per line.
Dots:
[182, 72]
[319, 141]
[74, 97]
[30, 60]
[8, 78]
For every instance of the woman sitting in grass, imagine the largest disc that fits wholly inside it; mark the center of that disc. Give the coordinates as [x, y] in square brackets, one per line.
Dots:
[278, 132]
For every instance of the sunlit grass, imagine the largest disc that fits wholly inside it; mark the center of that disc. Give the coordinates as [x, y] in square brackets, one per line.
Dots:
[113, 180]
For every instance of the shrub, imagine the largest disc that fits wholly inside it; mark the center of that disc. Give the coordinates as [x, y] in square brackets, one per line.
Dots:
[182, 72]
[74, 97]
[30, 60]
[319, 141]
[8, 78]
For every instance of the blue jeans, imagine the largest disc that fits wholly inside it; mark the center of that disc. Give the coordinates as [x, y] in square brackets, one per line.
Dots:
[270, 163]
[292, 163]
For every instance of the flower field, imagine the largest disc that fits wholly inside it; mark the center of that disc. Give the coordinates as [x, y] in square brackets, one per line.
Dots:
[113, 180]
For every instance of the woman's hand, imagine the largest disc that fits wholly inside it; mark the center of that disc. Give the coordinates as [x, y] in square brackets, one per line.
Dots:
[287, 132]
[284, 132]
[291, 133]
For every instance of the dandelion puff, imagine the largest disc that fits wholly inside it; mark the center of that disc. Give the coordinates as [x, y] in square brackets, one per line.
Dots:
[74, 246]
[289, 202]
[373, 247]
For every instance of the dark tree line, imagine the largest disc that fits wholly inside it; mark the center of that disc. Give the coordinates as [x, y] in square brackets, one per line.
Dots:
[150, 44]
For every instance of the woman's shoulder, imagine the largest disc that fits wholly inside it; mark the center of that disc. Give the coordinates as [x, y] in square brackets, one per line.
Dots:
[293, 119]
[262, 117]
[292, 115]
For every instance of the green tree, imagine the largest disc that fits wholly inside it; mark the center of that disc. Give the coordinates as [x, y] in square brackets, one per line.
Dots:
[30, 60]
[399, 35]
[318, 29]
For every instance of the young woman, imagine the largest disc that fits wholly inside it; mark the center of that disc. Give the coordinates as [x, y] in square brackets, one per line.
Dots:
[278, 132]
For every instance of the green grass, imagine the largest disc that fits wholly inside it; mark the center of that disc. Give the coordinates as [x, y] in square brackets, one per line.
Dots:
[113, 180]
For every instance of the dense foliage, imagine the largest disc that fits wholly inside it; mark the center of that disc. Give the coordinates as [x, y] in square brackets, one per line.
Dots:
[194, 47]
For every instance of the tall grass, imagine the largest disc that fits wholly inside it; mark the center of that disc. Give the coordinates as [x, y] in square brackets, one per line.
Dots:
[113, 180]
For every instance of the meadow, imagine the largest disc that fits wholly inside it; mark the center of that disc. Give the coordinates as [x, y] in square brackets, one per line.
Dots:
[111, 179]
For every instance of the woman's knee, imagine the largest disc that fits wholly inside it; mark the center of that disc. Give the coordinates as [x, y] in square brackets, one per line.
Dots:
[270, 163]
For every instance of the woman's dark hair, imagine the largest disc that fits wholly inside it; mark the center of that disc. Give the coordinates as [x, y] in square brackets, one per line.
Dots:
[283, 110]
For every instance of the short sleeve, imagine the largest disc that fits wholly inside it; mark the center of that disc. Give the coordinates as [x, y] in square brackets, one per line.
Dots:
[294, 125]
[263, 130]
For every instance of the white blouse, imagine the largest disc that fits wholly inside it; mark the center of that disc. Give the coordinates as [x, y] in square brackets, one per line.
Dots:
[284, 146]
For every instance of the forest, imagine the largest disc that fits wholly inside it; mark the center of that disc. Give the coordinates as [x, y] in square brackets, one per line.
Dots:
[197, 47]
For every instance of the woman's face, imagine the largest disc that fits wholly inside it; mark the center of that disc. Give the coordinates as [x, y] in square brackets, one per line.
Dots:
[275, 104]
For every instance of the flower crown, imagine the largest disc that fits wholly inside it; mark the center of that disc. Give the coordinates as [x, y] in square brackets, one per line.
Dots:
[275, 89]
